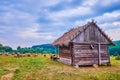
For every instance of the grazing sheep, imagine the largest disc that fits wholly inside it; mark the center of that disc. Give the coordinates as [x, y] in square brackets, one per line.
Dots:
[17, 55]
[12, 54]
[23, 55]
[35, 55]
[28, 55]
[44, 55]
[20, 55]
[1, 53]
[6, 54]
[54, 57]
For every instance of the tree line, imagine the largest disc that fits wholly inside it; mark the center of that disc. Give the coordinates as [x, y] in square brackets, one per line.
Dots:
[43, 49]
[115, 50]
[48, 48]
[5, 48]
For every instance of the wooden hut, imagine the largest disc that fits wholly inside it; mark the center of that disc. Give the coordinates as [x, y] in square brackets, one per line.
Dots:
[84, 45]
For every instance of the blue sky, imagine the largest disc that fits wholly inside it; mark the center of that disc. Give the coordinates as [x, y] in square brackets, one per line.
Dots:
[31, 22]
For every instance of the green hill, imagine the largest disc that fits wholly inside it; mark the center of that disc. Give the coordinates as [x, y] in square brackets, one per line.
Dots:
[115, 50]
[46, 48]
[5, 48]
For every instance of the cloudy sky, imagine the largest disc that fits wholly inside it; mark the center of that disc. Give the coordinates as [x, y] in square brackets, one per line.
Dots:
[31, 22]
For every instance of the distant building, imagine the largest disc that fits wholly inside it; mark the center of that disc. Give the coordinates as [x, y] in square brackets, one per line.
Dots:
[84, 45]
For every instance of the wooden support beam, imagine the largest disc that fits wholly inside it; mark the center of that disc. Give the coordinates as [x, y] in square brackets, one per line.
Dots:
[88, 43]
[99, 54]
[71, 52]
[109, 64]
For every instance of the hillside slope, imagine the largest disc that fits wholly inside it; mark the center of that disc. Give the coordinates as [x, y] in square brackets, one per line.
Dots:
[46, 48]
[115, 50]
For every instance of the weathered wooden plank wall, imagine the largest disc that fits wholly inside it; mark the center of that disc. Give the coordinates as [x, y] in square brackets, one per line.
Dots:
[84, 55]
[65, 52]
[91, 34]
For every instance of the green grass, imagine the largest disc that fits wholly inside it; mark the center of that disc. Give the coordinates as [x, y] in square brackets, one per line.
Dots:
[4, 71]
[114, 62]
[42, 68]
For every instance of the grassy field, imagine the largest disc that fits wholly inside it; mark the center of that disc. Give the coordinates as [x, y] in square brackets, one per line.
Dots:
[42, 68]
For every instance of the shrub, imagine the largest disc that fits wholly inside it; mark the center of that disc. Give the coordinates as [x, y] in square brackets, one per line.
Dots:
[117, 58]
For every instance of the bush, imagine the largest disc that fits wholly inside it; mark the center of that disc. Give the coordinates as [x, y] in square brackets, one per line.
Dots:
[117, 58]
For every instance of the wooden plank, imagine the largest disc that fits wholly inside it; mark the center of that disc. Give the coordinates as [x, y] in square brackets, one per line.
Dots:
[85, 59]
[104, 61]
[65, 60]
[65, 51]
[88, 43]
[102, 55]
[86, 55]
[79, 38]
[86, 62]
[104, 58]
[85, 52]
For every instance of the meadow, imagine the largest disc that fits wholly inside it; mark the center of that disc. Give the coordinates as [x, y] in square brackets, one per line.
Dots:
[43, 68]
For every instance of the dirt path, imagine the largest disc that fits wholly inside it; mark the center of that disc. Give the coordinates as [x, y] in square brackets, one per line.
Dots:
[10, 75]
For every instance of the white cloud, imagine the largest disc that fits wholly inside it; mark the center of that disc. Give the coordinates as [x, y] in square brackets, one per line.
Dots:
[89, 2]
[1, 40]
[106, 17]
[94, 3]
[111, 25]
[34, 33]
[108, 2]
[31, 32]
[48, 37]
[114, 34]
[12, 17]
[43, 3]
[69, 13]
[116, 24]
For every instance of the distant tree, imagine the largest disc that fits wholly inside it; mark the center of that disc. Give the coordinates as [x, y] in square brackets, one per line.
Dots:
[5, 49]
[15, 51]
[18, 48]
[1, 45]
[44, 48]
[8, 49]
[115, 50]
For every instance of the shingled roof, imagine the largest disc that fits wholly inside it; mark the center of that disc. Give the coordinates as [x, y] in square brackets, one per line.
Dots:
[67, 37]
